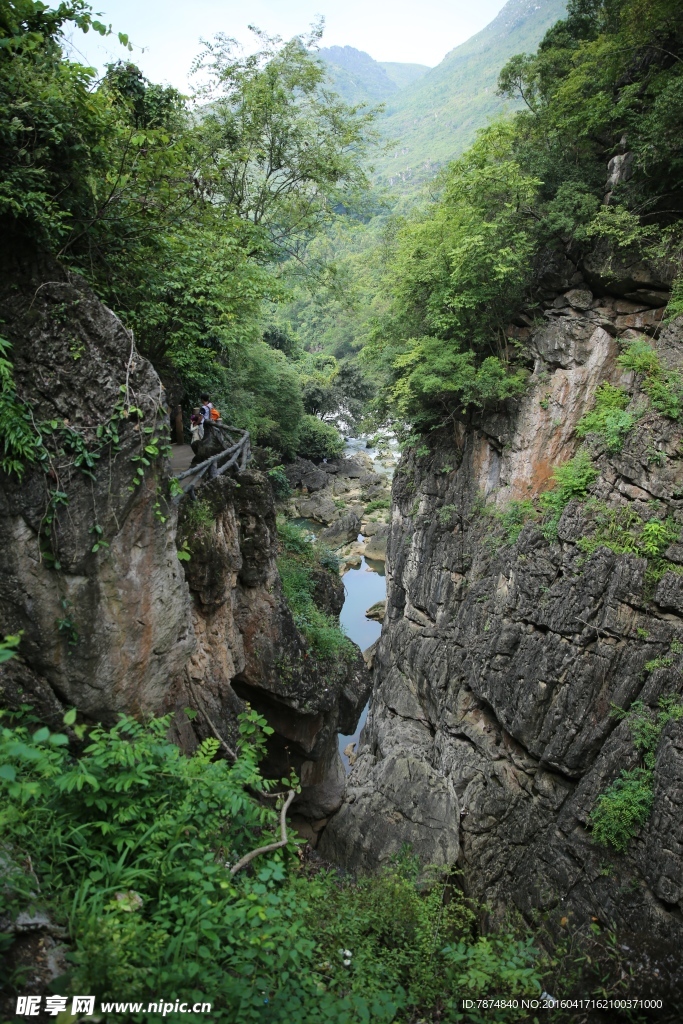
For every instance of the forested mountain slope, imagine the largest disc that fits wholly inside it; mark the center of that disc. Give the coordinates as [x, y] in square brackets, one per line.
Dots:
[360, 79]
[436, 118]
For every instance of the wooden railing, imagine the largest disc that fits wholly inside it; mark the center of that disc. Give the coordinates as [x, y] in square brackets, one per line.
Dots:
[236, 453]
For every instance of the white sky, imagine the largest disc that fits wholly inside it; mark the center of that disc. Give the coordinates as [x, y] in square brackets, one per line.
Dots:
[168, 31]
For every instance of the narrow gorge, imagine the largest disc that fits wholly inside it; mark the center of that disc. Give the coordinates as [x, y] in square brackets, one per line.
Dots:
[507, 647]
[341, 526]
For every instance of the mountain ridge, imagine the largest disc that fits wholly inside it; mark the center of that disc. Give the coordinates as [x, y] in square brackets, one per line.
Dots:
[459, 94]
[359, 78]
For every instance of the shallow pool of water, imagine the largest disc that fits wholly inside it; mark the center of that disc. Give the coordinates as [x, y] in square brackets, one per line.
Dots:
[364, 587]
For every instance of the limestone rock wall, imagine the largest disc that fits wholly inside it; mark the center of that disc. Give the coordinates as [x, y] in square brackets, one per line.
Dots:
[490, 733]
[111, 622]
[108, 629]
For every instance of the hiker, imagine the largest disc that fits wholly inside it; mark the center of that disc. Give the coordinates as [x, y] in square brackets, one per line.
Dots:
[206, 407]
[196, 428]
[208, 410]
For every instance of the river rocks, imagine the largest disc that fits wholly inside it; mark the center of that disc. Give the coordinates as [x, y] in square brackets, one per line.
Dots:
[377, 611]
[350, 486]
[320, 507]
[376, 546]
[305, 474]
[343, 530]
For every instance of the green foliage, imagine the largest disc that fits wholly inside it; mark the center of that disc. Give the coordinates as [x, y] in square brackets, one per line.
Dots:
[600, 73]
[514, 517]
[18, 435]
[198, 517]
[622, 810]
[446, 514]
[663, 387]
[571, 480]
[279, 482]
[318, 440]
[299, 557]
[608, 421]
[384, 933]
[376, 504]
[625, 532]
[173, 218]
[457, 276]
[130, 846]
[8, 647]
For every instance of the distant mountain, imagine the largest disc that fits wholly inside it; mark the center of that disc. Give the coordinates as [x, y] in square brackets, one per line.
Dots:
[403, 74]
[360, 79]
[435, 118]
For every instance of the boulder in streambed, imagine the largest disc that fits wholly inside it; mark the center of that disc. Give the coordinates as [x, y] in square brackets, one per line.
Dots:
[376, 546]
[344, 530]
[377, 611]
[319, 506]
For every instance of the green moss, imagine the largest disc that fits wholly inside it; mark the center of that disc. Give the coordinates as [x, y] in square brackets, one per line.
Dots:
[663, 387]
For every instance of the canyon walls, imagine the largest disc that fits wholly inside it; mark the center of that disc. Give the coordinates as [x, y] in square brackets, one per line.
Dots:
[110, 620]
[509, 641]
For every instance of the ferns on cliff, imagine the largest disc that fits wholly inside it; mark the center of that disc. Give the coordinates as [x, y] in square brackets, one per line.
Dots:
[624, 807]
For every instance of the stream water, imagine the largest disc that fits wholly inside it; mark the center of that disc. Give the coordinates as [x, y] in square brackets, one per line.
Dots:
[364, 585]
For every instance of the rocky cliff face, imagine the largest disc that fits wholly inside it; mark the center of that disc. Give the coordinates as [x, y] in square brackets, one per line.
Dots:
[89, 572]
[491, 733]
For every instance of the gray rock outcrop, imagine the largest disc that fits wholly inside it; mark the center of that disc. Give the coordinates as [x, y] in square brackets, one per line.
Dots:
[501, 660]
[111, 621]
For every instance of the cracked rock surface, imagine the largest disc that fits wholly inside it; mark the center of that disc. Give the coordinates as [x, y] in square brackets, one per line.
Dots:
[491, 732]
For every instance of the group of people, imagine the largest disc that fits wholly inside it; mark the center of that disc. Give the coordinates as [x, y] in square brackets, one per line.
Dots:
[201, 417]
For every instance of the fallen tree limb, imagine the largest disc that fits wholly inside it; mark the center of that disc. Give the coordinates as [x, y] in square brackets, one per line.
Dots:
[248, 857]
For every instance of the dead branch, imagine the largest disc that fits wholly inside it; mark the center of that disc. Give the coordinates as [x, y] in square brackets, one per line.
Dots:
[248, 857]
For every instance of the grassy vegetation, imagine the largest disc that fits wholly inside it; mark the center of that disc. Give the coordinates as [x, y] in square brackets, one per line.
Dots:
[514, 517]
[300, 555]
[622, 810]
[625, 532]
[376, 504]
[663, 387]
[198, 517]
